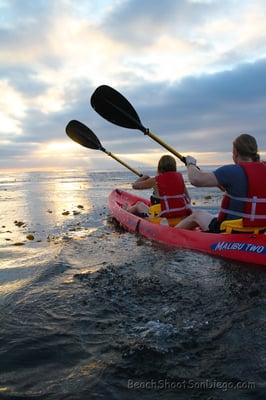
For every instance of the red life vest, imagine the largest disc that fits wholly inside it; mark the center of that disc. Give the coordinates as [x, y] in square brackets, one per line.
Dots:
[171, 190]
[254, 212]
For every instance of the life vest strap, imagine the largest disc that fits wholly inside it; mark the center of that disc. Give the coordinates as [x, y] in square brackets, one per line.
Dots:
[242, 214]
[176, 196]
[253, 199]
[167, 210]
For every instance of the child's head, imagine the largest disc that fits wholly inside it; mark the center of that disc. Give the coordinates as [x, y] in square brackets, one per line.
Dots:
[166, 164]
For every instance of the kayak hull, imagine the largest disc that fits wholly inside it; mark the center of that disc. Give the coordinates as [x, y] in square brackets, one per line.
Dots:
[243, 247]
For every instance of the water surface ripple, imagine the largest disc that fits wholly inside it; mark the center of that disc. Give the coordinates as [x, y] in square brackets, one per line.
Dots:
[89, 311]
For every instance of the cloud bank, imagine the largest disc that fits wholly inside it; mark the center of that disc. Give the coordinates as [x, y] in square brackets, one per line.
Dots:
[194, 70]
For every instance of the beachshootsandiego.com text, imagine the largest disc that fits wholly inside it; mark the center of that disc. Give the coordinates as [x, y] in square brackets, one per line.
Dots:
[190, 384]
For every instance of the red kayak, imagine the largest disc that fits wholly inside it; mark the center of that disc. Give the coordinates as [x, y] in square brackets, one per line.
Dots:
[244, 247]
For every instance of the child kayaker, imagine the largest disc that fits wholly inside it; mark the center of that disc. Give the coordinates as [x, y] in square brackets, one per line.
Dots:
[244, 185]
[169, 192]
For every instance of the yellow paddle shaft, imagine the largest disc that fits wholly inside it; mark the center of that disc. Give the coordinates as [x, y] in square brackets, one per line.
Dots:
[123, 163]
[165, 145]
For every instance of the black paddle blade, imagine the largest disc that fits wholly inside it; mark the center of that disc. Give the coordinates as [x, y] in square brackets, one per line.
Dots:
[114, 107]
[83, 135]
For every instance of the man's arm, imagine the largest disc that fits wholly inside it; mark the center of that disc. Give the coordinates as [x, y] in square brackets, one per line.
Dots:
[200, 178]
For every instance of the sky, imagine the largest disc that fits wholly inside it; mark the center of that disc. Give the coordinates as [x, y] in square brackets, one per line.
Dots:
[194, 70]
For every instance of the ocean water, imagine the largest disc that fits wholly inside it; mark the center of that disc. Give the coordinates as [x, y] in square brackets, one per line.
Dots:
[89, 311]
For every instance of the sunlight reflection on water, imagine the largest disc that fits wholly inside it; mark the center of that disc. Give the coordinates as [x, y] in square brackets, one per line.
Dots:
[35, 202]
[99, 305]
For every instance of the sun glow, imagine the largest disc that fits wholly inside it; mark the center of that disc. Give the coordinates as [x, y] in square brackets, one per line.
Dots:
[59, 149]
[61, 153]
[45, 85]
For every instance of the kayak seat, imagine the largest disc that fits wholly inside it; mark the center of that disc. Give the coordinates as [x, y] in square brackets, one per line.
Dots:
[154, 212]
[236, 225]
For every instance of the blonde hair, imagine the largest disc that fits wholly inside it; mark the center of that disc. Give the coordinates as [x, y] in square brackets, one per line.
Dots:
[166, 164]
[246, 146]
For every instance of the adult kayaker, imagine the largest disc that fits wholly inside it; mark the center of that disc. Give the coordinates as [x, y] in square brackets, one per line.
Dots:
[241, 181]
[169, 191]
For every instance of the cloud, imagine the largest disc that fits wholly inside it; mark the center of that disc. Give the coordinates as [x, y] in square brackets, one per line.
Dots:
[194, 115]
[23, 79]
[193, 69]
[173, 39]
[209, 110]
[140, 23]
[225, 101]
[25, 25]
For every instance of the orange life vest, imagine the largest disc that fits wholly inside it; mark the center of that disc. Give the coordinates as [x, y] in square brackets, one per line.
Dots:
[254, 211]
[171, 190]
